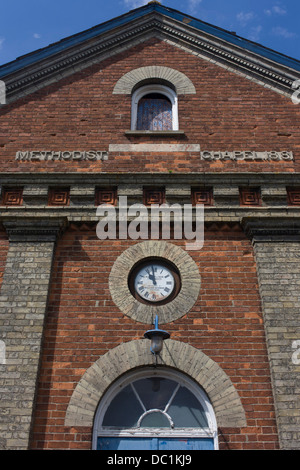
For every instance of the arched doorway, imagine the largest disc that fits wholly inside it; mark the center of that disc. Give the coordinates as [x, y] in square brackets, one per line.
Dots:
[155, 409]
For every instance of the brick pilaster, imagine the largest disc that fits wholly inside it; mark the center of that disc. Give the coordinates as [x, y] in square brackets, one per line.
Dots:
[23, 304]
[277, 250]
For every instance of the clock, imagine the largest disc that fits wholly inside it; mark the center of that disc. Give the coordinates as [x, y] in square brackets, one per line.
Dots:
[124, 281]
[154, 281]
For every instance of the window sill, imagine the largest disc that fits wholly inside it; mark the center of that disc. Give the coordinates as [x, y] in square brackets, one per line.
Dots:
[155, 133]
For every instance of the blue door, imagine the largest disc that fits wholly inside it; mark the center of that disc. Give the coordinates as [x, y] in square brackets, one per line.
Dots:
[142, 443]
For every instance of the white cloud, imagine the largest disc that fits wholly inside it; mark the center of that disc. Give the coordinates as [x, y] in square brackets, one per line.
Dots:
[1, 42]
[37, 36]
[276, 9]
[254, 33]
[279, 10]
[283, 32]
[244, 18]
[135, 3]
[192, 6]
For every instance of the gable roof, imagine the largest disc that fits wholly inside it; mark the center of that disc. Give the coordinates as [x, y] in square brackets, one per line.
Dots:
[47, 65]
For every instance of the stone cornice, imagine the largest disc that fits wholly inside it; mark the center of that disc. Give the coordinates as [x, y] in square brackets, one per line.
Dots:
[272, 229]
[81, 207]
[219, 51]
[13, 218]
[39, 229]
[234, 58]
[257, 178]
[226, 188]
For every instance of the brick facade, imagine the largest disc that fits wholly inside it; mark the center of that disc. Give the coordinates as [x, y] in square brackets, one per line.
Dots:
[60, 319]
[83, 325]
[206, 119]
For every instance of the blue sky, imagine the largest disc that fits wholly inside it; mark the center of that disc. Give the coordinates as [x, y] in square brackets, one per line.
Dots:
[28, 25]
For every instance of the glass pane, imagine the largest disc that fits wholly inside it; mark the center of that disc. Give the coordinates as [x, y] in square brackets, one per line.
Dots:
[124, 410]
[186, 411]
[155, 392]
[155, 420]
[154, 113]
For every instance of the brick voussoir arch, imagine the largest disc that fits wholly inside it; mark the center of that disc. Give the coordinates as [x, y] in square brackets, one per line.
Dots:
[134, 354]
[127, 82]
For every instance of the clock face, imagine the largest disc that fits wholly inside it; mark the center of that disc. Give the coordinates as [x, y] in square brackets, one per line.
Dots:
[154, 282]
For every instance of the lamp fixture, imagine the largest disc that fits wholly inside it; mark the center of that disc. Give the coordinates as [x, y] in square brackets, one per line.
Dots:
[157, 337]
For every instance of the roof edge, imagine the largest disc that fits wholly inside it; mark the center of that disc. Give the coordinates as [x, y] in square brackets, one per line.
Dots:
[78, 38]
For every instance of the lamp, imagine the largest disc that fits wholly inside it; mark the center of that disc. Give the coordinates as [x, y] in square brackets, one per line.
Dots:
[157, 337]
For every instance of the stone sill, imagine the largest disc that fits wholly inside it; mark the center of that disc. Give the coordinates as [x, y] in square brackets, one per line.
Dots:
[155, 133]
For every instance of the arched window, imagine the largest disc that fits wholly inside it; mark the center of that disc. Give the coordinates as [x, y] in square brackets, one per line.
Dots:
[154, 108]
[155, 410]
[154, 113]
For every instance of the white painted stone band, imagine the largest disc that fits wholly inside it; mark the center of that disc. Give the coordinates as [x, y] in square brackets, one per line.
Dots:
[154, 148]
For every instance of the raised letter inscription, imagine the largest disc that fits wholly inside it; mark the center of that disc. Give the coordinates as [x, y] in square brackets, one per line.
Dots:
[247, 155]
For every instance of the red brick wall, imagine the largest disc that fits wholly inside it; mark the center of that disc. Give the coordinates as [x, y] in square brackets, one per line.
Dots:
[228, 112]
[83, 323]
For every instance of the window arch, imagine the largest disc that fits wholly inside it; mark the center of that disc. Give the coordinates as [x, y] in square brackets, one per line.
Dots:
[155, 409]
[154, 108]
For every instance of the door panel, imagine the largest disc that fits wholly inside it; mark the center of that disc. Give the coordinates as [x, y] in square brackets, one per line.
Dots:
[127, 443]
[186, 444]
[141, 443]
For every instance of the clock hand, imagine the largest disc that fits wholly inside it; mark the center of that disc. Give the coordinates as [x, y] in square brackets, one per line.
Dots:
[153, 277]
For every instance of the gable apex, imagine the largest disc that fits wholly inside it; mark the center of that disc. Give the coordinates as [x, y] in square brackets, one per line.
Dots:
[67, 56]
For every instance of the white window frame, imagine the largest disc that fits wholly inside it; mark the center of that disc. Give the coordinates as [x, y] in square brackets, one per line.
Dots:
[154, 88]
[120, 384]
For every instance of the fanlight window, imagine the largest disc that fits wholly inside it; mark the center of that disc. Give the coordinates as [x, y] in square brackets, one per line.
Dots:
[154, 108]
[155, 402]
[148, 404]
